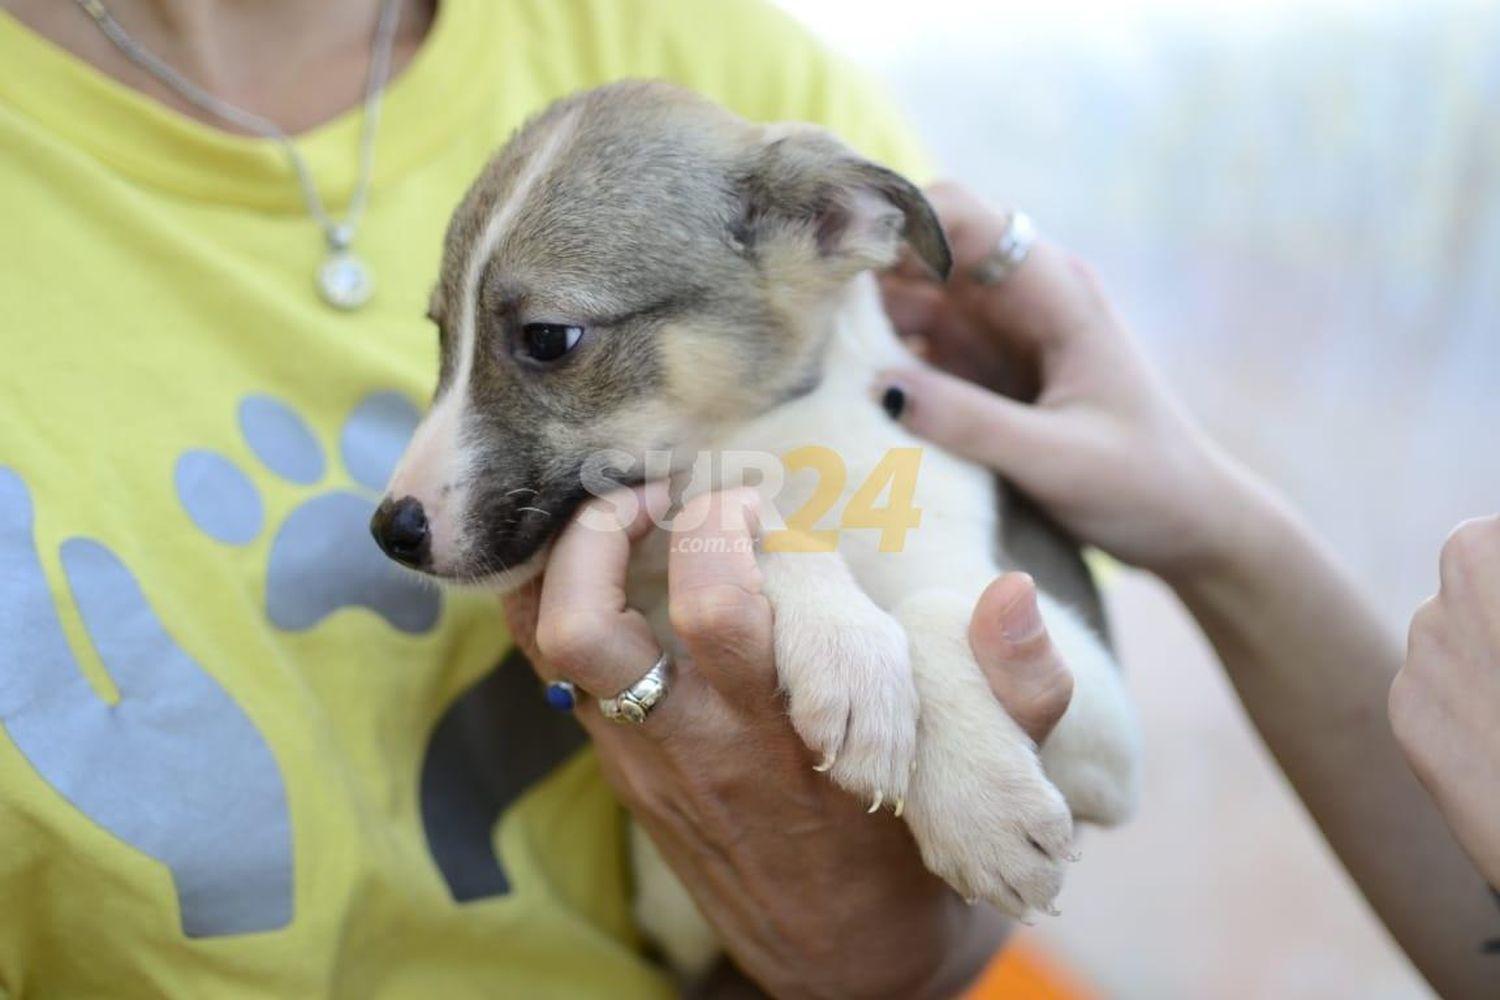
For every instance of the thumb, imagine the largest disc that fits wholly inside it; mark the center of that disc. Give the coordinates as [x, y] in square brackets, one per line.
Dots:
[1011, 643]
[970, 421]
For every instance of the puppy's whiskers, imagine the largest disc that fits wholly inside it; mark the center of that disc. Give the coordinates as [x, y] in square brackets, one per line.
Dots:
[427, 580]
[485, 576]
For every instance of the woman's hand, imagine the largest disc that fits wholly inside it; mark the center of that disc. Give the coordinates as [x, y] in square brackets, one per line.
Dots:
[1106, 450]
[1104, 447]
[1445, 702]
[811, 896]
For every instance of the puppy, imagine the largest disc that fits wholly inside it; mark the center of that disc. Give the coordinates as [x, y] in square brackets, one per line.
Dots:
[640, 272]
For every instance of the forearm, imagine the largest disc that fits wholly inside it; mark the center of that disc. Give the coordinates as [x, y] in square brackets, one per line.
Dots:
[978, 942]
[924, 945]
[978, 934]
[1312, 663]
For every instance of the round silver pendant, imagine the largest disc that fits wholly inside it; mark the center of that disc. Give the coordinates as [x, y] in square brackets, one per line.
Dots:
[345, 281]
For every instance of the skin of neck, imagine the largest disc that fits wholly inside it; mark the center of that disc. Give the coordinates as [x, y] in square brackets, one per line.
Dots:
[295, 63]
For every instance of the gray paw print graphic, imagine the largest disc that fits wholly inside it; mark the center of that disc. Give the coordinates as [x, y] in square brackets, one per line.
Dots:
[322, 558]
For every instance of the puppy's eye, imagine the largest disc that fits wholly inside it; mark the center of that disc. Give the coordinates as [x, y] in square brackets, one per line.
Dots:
[549, 341]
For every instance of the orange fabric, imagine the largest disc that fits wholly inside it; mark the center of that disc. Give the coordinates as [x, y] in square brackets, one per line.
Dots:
[1023, 970]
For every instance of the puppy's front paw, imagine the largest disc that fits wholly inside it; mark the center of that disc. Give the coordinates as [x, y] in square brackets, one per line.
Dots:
[981, 808]
[847, 675]
[989, 822]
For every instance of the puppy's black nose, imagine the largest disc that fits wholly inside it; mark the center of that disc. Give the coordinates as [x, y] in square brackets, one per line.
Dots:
[400, 528]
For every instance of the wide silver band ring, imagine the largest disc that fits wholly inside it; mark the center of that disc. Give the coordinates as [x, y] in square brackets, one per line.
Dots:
[633, 704]
[1010, 252]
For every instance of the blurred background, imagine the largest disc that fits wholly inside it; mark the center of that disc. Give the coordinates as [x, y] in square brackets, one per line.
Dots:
[1297, 205]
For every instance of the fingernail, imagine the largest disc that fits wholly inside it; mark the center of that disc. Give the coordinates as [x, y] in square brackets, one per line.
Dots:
[1021, 620]
[893, 401]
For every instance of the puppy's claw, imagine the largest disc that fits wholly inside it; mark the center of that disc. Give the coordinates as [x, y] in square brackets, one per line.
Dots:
[1051, 910]
[875, 806]
[1073, 857]
[827, 764]
[971, 900]
[900, 806]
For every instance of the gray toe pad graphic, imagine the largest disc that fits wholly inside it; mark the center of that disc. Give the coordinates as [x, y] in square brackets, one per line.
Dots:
[374, 437]
[322, 557]
[221, 500]
[175, 768]
[280, 439]
[496, 740]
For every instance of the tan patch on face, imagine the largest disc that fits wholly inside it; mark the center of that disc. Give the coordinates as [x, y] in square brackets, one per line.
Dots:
[710, 376]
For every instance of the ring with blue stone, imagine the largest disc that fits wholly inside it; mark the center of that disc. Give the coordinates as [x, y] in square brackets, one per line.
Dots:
[562, 696]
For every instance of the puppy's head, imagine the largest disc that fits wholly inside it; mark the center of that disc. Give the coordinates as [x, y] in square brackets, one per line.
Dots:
[637, 270]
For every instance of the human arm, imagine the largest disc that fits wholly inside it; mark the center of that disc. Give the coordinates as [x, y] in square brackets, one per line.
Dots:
[1106, 450]
[1445, 703]
[811, 896]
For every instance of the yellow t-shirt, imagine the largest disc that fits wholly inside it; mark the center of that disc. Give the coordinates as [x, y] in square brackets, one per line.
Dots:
[240, 754]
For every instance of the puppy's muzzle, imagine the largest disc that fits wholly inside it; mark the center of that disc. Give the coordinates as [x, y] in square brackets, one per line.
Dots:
[401, 530]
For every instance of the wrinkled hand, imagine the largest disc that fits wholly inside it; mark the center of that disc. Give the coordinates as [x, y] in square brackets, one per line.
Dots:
[1103, 447]
[1445, 702]
[811, 896]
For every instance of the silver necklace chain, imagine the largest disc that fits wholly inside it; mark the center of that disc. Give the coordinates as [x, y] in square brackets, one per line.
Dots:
[344, 280]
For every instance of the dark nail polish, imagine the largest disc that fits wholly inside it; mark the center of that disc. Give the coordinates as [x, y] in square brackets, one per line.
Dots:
[893, 401]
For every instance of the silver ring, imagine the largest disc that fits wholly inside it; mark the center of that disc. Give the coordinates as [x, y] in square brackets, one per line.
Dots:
[636, 702]
[1010, 252]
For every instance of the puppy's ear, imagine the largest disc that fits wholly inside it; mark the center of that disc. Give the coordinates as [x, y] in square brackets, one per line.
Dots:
[802, 184]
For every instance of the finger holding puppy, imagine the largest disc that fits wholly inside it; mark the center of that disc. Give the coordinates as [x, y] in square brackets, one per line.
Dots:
[586, 632]
[1015, 651]
[714, 597]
